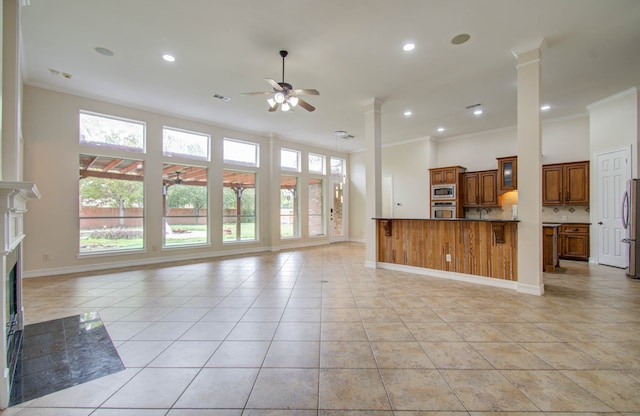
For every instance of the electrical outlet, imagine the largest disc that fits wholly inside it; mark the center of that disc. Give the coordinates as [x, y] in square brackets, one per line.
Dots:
[448, 257]
[564, 218]
[154, 248]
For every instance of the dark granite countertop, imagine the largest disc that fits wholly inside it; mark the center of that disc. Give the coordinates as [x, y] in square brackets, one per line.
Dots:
[448, 219]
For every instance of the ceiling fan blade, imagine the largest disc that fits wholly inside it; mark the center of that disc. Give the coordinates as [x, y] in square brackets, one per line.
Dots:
[302, 103]
[258, 93]
[306, 92]
[274, 108]
[274, 84]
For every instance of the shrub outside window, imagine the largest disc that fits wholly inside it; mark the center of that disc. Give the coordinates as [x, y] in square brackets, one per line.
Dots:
[240, 153]
[185, 144]
[184, 193]
[111, 132]
[111, 206]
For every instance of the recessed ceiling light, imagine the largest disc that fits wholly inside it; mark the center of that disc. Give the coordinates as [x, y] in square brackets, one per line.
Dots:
[545, 107]
[440, 129]
[408, 113]
[168, 58]
[103, 51]
[460, 39]
[408, 47]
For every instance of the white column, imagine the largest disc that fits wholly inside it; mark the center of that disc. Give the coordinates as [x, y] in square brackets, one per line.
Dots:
[373, 204]
[274, 193]
[11, 135]
[529, 170]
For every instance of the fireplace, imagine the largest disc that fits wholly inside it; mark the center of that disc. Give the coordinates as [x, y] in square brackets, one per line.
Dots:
[13, 318]
[13, 205]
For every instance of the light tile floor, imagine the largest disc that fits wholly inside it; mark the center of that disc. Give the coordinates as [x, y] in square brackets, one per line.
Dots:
[314, 332]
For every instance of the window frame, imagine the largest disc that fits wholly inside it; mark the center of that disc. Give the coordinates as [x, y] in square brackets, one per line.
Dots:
[103, 145]
[297, 169]
[256, 146]
[206, 158]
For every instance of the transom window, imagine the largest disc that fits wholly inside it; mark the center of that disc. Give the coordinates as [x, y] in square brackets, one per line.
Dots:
[111, 132]
[290, 160]
[240, 153]
[185, 144]
[338, 167]
[317, 164]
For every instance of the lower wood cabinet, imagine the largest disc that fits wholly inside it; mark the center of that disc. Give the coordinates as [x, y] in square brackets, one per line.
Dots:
[574, 242]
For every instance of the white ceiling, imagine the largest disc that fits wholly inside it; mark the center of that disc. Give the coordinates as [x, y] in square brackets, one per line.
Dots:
[350, 50]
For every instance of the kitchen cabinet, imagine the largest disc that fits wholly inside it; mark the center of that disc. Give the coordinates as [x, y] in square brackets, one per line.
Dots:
[565, 184]
[480, 189]
[574, 242]
[507, 173]
[448, 175]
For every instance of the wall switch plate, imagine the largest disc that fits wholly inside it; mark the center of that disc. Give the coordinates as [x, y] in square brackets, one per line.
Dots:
[448, 257]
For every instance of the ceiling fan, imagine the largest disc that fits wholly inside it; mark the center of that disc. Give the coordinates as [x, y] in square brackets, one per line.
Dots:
[285, 96]
[177, 180]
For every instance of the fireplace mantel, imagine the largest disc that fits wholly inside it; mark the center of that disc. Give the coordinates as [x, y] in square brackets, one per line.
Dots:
[13, 204]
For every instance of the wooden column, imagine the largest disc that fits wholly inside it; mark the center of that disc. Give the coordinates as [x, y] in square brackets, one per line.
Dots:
[372, 143]
[529, 170]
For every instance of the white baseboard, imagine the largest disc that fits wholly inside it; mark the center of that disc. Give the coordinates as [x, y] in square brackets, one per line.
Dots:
[470, 278]
[531, 289]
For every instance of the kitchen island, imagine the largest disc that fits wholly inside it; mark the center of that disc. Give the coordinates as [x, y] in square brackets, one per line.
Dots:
[481, 251]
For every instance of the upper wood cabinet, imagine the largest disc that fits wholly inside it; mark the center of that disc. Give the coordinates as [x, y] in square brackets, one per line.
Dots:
[565, 184]
[480, 189]
[507, 173]
[447, 175]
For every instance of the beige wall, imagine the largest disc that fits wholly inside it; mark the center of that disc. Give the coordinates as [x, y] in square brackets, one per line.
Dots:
[50, 129]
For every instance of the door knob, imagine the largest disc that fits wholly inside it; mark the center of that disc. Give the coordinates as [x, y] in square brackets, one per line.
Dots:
[599, 222]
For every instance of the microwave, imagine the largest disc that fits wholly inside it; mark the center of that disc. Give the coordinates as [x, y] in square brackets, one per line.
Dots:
[443, 210]
[443, 191]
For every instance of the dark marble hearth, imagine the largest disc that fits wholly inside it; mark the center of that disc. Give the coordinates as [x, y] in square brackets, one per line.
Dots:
[62, 353]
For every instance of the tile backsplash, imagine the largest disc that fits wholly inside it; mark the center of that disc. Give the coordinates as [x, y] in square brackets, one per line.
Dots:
[549, 214]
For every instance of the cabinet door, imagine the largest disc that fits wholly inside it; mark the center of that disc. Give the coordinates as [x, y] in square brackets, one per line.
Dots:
[508, 174]
[576, 246]
[489, 188]
[552, 190]
[471, 187]
[576, 183]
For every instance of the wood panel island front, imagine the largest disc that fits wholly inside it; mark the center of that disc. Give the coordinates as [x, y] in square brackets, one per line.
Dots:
[482, 251]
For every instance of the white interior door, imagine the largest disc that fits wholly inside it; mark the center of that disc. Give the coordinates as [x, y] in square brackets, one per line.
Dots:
[612, 172]
[337, 211]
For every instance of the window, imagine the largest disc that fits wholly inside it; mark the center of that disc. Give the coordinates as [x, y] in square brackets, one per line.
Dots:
[239, 206]
[338, 167]
[185, 144]
[290, 160]
[317, 164]
[111, 206]
[184, 194]
[316, 207]
[240, 153]
[289, 207]
[111, 132]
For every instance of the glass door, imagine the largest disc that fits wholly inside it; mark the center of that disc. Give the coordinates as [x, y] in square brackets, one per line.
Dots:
[337, 214]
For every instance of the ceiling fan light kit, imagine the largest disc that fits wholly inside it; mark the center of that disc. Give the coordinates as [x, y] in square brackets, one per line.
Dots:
[285, 97]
